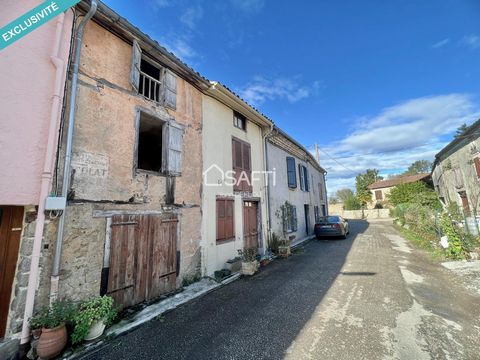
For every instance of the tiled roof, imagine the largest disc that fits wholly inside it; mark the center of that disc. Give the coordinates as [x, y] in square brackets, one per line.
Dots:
[396, 181]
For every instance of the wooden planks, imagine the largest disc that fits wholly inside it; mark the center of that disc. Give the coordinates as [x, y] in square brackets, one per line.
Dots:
[142, 257]
[250, 224]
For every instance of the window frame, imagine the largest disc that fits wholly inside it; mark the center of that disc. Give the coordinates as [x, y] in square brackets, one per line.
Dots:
[238, 116]
[377, 196]
[293, 172]
[169, 127]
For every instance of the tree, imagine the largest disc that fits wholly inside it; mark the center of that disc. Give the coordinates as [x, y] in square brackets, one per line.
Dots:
[414, 193]
[418, 167]
[362, 181]
[352, 203]
[462, 129]
[344, 194]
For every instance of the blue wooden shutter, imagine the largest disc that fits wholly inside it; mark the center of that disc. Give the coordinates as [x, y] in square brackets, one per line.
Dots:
[291, 172]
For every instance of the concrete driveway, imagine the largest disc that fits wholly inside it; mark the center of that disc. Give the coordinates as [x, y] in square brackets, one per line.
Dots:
[368, 297]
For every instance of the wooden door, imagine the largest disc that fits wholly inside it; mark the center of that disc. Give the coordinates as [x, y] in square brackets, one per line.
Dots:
[465, 204]
[250, 224]
[11, 219]
[307, 218]
[143, 257]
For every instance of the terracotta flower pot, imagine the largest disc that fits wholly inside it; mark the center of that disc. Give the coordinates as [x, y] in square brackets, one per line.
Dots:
[52, 342]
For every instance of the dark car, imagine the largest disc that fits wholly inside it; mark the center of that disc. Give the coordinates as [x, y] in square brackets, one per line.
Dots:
[330, 226]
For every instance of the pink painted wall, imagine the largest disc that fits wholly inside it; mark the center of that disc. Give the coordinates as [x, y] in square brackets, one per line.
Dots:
[27, 78]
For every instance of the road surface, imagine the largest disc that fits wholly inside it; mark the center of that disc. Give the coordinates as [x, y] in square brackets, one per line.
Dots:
[371, 296]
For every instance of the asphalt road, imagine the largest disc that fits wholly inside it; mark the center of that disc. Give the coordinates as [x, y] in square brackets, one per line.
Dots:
[368, 297]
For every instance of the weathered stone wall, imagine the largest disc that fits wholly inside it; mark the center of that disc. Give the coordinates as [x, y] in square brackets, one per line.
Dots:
[103, 166]
[455, 172]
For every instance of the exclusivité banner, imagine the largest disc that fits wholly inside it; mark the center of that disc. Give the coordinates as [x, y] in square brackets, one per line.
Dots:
[30, 21]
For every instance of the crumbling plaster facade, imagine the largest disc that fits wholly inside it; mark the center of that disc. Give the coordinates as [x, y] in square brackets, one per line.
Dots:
[103, 174]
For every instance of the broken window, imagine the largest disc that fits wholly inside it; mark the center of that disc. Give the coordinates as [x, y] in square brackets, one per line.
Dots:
[151, 80]
[150, 143]
[159, 145]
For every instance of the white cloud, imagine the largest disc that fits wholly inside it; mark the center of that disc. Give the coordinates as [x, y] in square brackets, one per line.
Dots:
[248, 6]
[192, 16]
[160, 4]
[472, 41]
[180, 47]
[261, 89]
[441, 43]
[396, 137]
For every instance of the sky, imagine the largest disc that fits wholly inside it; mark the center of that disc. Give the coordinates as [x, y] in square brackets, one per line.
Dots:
[375, 83]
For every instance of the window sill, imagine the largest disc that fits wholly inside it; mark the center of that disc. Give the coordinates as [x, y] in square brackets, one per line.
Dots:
[149, 172]
[225, 241]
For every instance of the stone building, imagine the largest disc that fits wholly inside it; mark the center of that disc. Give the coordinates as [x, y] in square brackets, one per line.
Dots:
[456, 171]
[297, 189]
[380, 190]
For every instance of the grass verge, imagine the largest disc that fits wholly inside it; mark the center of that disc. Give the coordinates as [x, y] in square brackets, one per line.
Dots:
[421, 243]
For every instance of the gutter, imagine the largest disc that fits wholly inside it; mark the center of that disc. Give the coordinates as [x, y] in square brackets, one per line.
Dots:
[46, 178]
[68, 152]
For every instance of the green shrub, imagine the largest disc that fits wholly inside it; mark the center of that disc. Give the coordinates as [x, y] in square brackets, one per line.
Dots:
[99, 308]
[49, 317]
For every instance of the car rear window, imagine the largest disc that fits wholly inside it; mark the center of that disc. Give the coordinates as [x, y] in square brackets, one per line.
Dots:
[330, 219]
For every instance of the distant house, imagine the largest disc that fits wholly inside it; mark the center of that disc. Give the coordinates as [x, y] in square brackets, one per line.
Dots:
[297, 191]
[381, 189]
[456, 170]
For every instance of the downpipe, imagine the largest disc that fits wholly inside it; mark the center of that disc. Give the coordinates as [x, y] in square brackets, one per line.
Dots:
[267, 184]
[68, 152]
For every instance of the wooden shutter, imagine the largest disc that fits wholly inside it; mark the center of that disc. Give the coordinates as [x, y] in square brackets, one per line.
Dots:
[237, 162]
[291, 172]
[378, 195]
[229, 223]
[320, 191]
[301, 176]
[136, 60]
[225, 219]
[247, 168]
[305, 176]
[174, 149]
[170, 89]
[294, 218]
[476, 162]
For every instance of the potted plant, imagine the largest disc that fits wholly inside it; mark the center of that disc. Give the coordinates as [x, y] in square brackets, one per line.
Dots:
[91, 318]
[284, 248]
[52, 321]
[249, 260]
[234, 265]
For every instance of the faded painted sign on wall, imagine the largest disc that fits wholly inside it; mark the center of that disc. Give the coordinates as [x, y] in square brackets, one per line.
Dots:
[90, 165]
